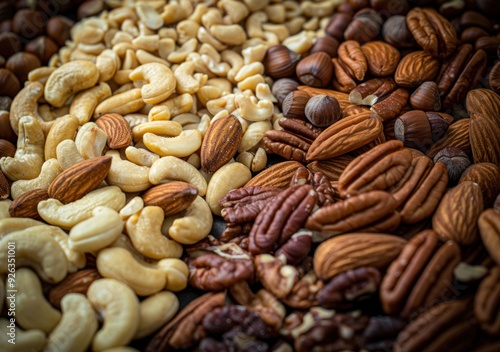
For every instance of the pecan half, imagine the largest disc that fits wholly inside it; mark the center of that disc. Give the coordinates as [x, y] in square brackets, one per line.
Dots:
[352, 58]
[332, 168]
[381, 332]
[342, 80]
[486, 303]
[301, 128]
[275, 276]
[304, 293]
[296, 248]
[287, 145]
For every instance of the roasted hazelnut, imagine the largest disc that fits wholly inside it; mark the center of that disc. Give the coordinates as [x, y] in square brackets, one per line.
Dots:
[327, 45]
[315, 70]
[53, 7]
[337, 25]
[7, 149]
[58, 28]
[439, 124]
[395, 32]
[294, 105]
[452, 8]
[344, 7]
[323, 110]
[365, 26]
[489, 44]
[22, 63]
[90, 8]
[282, 87]
[475, 19]
[471, 34]
[488, 6]
[456, 162]
[280, 62]
[388, 8]
[358, 4]
[28, 23]
[9, 84]
[43, 47]
[9, 44]
[494, 78]
[414, 130]
[426, 97]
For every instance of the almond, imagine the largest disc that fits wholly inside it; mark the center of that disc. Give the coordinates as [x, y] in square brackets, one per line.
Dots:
[416, 68]
[484, 101]
[25, 206]
[4, 186]
[354, 250]
[484, 140]
[220, 143]
[382, 58]
[7, 148]
[78, 282]
[80, 179]
[456, 136]
[117, 129]
[172, 197]
[277, 175]
[489, 228]
[487, 176]
[342, 98]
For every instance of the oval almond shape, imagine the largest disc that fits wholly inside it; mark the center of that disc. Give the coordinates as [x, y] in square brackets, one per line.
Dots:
[80, 179]
[382, 58]
[489, 228]
[25, 206]
[172, 197]
[117, 129]
[416, 68]
[277, 175]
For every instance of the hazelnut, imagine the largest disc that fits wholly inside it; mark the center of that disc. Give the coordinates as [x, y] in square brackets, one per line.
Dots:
[28, 23]
[358, 4]
[388, 8]
[315, 70]
[426, 97]
[9, 84]
[456, 162]
[452, 8]
[337, 25]
[471, 34]
[475, 19]
[364, 27]
[294, 105]
[323, 110]
[9, 44]
[58, 28]
[22, 63]
[488, 44]
[90, 8]
[395, 32]
[328, 45]
[280, 62]
[488, 6]
[53, 7]
[43, 47]
[282, 87]
[6, 131]
[439, 124]
[414, 130]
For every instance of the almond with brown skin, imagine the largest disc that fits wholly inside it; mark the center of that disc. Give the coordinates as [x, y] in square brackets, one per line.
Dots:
[456, 136]
[78, 282]
[487, 176]
[172, 197]
[277, 175]
[80, 179]
[220, 143]
[7, 148]
[484, 141]
[489, 228]
[117, 129]
[4, 186]
[25, 206]
[416, 68]
[382, 58]
[484, 101]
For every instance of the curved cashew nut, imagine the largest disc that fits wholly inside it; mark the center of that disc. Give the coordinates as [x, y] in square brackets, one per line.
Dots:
[134, 206]
[67, 154]
[90, 140]
[235, 61]
[33, 311]
[107, 62]
[170, 168]
[40, 74]
[172, 107]
[50, 169]
[28, 159]
[37, 250]
[144, 229]
[76, 328]
[186, 83]
[119, 307]
[161, 82]
[254, 53]
[228, 177]
[97, 232]
[181, 146]
[253, 135]
[68, 215]
[156, 311]
[141, 156]
[85, 102]
[252, 109]
[255, 68]
[10, 225]
[69, 79]
[62, 129]
[254, 25]
[31, 340]
[195, 225]
[226, 102]
[160, 128]
[4, 209]
[122, 103]
[127, 175]
[232, 34]
[145, 279]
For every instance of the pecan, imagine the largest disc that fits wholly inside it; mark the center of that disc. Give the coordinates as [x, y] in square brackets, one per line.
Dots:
[433, 32]
[381, 332]
[301, 128]
[211, 272]
[346, 289]
[486, 303]
[452, 68]
[489, 228]
[237, 233]
[342, 80]
[296, 248]
[281, 218]
[331, 168]
[277, 175]
[456, 136]
[304, 293]
[372, 91]
[275, 276]
[287, 145]
[323, 188]
[354, 110]
[301, 176]
[487, 176]
[352, 58]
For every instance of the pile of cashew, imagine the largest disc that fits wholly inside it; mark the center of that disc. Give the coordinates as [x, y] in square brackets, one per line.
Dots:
[169, 68]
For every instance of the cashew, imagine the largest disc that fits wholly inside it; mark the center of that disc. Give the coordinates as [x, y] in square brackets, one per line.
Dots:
[76, 328]
[122, 103]
[50, 169]
[4, 209]
[235, 61]
[130, 62]
[127, 175]
[205, 37]
[280, 30]
[185, 80]
[84, 104]
[170, 168]
[173, 13]
[254, 54]
[10, 225]
[37, 250]
[186, 30]
[172, 107]
[90, 140]
[161, 82]
[122, 77]
[254, 24]
[226, 102]
[62, 129]
[251, 83]
[28, 159]
[207, 93]
[186, 119]
[147, 58]
[134, 206]
[145, 279]
[40, 74]
[253, 135]
[30, 340]
[118, 305]
[300, 43]
[185, 144]
[160, 128]
[232, 34]
[146, 42]
[156, 311]
[69, 79]
[97, 232]
[166, 46]
[263, 92]
[236, 11]
[255, 68]
[67, 154]
[148, 15]
[228, 177]
[195, 225]
[76, 259]
[144, 229]
[252, 109]
[140, 156]
[135, 119]
[68, 215]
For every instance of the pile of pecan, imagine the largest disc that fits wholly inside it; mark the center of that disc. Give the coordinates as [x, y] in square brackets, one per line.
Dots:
[378, 229]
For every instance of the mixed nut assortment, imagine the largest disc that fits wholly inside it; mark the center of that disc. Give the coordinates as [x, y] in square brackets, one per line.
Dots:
[351, 149]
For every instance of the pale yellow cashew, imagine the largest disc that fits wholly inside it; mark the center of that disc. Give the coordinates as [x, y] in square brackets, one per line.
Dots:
[50, 169]
[67, 154]
[186, 83]
[140, 156]
[10, 225]
[76, 259]
[254, 53]
[156, 311]
[122, 103]
[127, 175]
[252, 109]
[40, 74]
[118, 305]
[255, 68]
[172, 107]
[161, 82]
[69, 79]
[236, 11]
[235, 61]
[76, 328]
[148, 15]
[144, 278]
[2, 291]
[170, 168]
[30, 340]
[195, 225]
[97, 232]
[144, 229]
[253, 135]
[263, 91]
[33, 311]
[28, 159]
[85, 102]
[228, 177]
[181, 146]
[90, 140]
[4, 209]
[254, 161]
[251, 83]
[225, 102]
[68, 215]
[37, 250]
[134, 206]
[62, 129]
